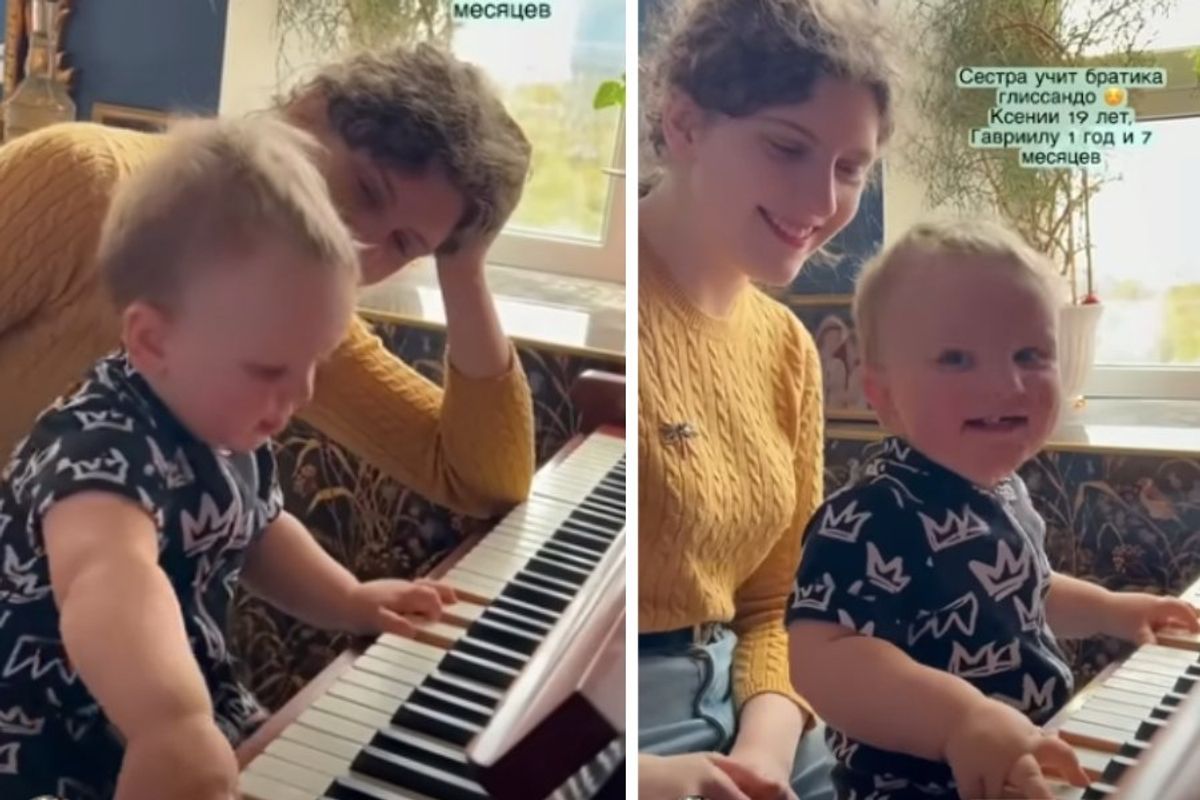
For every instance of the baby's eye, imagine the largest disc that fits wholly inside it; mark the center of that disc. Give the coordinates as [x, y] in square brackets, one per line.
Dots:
[956, 359]
[1031, 357]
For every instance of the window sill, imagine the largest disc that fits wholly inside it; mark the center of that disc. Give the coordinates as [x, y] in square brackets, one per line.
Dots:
[575, 315]
[1142, 427]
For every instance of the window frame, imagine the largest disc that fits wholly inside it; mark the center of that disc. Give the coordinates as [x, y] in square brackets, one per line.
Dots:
[1161, 382]
[578, 257]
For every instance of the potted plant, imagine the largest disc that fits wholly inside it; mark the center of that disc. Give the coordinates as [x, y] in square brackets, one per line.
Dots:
[1048, 207]
[611, 93]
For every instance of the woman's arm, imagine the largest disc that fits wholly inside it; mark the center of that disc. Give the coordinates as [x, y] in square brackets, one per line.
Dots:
[469, 446]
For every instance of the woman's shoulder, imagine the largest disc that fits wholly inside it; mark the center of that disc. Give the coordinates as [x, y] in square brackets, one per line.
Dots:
[778, 321]
[82, 149]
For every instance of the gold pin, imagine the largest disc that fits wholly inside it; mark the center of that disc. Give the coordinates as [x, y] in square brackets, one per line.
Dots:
[676, 433]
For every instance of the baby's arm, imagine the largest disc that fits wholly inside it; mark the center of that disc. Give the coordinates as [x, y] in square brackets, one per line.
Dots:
[1076, 608]
[874, 692]
[123, 630]
[290, 570]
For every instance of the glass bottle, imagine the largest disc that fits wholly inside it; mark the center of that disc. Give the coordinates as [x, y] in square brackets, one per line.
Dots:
[39, 99]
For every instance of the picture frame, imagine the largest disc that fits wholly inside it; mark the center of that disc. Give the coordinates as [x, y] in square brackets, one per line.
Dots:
[138, 119]
[828, 320]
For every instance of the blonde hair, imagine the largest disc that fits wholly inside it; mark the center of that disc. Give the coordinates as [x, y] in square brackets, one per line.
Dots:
[952, 236]
[220, 187]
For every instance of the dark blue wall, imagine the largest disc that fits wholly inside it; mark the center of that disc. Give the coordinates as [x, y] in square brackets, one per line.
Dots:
[158, 54]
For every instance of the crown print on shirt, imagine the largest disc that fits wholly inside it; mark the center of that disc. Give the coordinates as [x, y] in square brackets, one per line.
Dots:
[954, 530]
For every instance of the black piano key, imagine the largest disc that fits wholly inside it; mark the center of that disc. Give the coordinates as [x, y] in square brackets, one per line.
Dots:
[458, 690]
[535, 614]
[507, 636]
[409, 774]
[609, 493]
[440, 725]
[552, 585]
[1097, 791]
[478, 669]
[494, 654]
[521, 622]
[1161, 712]
[406, 746]
[522, 590]
[1147, 729]
[605, 523]
[569, 554]
[1115, 769]
[1130, 751]
[1184, 685]
[575, 525]
[556, 570]
[428, 697]
[582, 539]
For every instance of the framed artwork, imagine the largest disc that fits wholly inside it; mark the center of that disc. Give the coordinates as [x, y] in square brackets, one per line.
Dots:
[828, 320]
[138, 119]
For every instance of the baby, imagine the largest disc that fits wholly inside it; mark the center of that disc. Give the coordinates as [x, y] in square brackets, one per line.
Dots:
[923, 618]
[140, 499]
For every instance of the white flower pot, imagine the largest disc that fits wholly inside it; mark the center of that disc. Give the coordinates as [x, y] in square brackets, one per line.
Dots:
[1076, 350]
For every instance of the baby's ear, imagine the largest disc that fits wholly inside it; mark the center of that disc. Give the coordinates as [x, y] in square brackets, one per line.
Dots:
[875, 388]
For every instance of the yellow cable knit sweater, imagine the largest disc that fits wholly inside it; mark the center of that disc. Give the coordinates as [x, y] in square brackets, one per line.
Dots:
[469, 447]
[722, 506]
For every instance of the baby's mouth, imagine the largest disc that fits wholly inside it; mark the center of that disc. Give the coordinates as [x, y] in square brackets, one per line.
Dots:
[1002, 424]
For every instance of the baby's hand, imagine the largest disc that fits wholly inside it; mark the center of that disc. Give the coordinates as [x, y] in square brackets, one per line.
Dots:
[995, 746]
[389, 605]
[1135, 616]
[187, 758]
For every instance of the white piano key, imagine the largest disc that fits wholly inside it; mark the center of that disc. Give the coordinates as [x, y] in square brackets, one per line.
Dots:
[336, 726]
[1138, 703]
[319, 740]
[1168, 653]
[1161, 681]
[297, 753]
[430, 654]
[351, 711]
[260, 787]
[377, 683]
[347, 690]
[296, 775]
[1093, 762]
[1173, 671]
[463, 611]
[464, 580]
[389, 670]
[1089, 734]
[380, 789]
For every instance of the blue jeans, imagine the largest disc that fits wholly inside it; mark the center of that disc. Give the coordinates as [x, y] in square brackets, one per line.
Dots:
[685, 705]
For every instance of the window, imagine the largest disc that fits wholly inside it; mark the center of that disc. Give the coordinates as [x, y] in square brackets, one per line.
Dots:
[572, 216]
[1145, 255]
[571, 219]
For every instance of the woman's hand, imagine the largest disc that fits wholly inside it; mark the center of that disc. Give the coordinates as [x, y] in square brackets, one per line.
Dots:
[705, 775]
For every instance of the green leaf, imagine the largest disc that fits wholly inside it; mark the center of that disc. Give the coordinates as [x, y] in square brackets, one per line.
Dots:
[610, 93]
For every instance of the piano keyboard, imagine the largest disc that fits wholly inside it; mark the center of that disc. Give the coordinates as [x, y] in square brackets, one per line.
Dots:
[397, 723]
[1110, 723]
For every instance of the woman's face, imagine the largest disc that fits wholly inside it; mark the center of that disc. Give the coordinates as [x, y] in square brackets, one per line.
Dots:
[771, 188]
[396, 216]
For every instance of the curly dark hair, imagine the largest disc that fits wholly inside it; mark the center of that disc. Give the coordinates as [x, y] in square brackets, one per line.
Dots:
[415, 107]
[738, 57]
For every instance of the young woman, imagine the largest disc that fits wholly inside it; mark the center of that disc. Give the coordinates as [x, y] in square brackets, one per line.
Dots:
[765, 117]
[421, 158]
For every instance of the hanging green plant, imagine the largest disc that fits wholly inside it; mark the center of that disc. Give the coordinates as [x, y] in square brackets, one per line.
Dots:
[610, 93]
[339, 26]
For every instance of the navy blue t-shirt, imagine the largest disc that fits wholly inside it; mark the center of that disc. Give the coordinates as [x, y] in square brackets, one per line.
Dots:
[113, 434]
[954, 575]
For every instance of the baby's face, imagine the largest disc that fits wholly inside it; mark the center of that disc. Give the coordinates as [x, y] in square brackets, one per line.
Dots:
[969, 373]
[239, 356]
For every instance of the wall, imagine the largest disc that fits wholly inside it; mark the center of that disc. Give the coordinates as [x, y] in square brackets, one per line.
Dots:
[157, 55]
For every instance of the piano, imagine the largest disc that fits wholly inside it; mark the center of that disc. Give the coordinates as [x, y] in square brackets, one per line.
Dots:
[1136, 726]
[516, 692]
